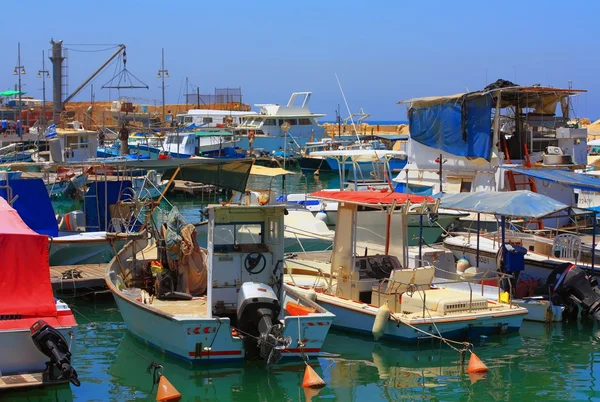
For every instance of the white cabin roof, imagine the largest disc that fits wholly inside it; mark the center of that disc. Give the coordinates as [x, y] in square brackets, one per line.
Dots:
[212, 112]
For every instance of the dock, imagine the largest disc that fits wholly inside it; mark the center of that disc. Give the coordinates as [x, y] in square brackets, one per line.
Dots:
[74, 277]
[189, 187]
[25, 381]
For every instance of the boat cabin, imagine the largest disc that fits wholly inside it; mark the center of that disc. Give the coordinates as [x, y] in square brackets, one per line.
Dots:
[211, 118]
[245, 244]
[212, 142]
[502, 125]
[359, 271]
[272, 118]
[73, 144]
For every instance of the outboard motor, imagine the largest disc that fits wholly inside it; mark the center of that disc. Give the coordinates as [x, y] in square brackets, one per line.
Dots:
[257, 312]
[572, 285]
[52, 344]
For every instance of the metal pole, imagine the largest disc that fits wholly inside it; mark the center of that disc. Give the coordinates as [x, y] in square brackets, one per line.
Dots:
[163, 83]
[478, 231]
[441, 161]
[57, 60]
[420, 238]
[19, 67]
[43, 73]
[593, 241]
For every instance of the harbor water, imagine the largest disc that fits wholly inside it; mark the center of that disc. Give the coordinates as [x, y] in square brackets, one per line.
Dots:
[542, 362]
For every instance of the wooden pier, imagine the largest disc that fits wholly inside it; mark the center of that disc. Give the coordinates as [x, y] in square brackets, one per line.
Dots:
[74, 277]
[26, 381]
[189, 187]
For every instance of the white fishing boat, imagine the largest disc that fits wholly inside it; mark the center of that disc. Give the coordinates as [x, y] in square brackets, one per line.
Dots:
[227, 302]
[548, 275]
[212, 118]
[377, 292]
[37, 331]
[217, 143]
[281, 126]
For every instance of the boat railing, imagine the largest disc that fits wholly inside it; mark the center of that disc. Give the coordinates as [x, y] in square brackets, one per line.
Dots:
[320, 274]
[296, 231]
[391, 286]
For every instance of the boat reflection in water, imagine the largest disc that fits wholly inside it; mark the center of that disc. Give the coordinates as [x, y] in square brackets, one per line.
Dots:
[246, 381]
[359, 369]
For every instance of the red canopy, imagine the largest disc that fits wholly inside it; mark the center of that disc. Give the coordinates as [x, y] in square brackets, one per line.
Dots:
[25, 287]
[369, 197]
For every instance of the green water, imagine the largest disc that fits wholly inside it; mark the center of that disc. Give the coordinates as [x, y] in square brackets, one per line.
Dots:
[543, 362]
[548, 363]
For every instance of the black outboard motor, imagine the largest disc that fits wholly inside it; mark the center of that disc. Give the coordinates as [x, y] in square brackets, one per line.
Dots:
[52, 344]
[573, 286]
[257, 315]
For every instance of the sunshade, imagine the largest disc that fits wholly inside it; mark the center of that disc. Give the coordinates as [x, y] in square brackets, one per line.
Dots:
[25, 287]
[258, 170]
[231, 174]
[11, 92]
[522, 204]
[369, 197]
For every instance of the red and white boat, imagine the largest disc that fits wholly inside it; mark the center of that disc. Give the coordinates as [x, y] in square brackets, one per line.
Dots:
[26, 298]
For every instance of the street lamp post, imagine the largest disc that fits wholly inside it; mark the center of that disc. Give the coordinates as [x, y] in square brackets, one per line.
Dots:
[19, 69]
[43, 74]
[162, 73]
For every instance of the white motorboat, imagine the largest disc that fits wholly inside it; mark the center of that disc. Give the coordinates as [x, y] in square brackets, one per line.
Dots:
[379, 294]
[227, 302]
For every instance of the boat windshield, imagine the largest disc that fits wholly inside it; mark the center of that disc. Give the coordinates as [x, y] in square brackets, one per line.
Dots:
[236, 234]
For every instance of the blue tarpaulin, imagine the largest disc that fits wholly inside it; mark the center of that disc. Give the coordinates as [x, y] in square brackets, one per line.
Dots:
[521, 204]
[33, 204]
[459, 126]
[564, 177]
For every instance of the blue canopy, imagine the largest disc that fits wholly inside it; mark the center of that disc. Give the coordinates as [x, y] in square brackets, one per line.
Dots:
[564, 177]
[522, 204]
[458, 125]
[32, 203]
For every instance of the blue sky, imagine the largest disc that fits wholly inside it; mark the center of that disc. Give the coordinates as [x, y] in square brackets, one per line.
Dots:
[382, 51]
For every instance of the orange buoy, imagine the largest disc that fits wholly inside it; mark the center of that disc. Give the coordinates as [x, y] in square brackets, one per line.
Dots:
[166, 391]
[310, 393]
[312, 379]
[476, 365]
[474, 377]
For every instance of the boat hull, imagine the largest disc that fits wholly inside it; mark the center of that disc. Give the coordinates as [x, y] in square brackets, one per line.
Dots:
[19, 353]
[361, 321]
[210, 340]
[83, 250]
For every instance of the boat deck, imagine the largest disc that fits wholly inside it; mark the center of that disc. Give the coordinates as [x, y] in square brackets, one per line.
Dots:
[195, 308]
[24, 381]
[91, 276]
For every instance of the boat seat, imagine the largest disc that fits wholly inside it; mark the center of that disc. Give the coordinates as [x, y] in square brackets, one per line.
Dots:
[567, 246]
[401, 280]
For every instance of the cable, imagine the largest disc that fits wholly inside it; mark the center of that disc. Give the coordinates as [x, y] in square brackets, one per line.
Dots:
[92, 51]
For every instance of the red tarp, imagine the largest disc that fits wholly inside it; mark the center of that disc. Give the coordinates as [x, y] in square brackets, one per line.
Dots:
[370, 197]
[25, 287]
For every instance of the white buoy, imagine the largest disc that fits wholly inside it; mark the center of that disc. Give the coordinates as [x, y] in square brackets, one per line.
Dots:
[322, 216]
[381, 320]
[470, 272]
[380, 362]
[461, 265]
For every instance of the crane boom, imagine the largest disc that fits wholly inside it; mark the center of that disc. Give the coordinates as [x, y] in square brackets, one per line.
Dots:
[91, 77]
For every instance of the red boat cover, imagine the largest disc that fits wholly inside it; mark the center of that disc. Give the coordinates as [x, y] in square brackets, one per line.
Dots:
[25, 287]
[370, 197]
